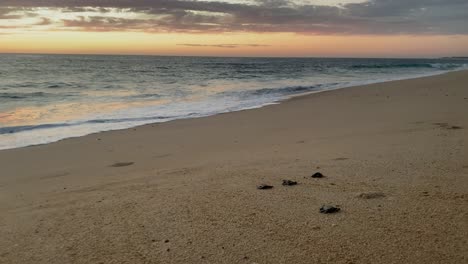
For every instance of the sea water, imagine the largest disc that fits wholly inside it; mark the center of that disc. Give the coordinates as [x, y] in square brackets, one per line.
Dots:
[46, 98]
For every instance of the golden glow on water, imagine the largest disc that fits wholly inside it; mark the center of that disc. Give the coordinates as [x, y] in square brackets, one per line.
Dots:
[59, 113]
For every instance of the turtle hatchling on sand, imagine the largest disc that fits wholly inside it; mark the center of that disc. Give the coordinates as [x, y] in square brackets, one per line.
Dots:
[289, 183]
[317, 175]
[264, 187]
[329, 209]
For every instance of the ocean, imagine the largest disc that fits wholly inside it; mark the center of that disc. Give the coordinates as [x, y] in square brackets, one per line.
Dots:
[46, 98]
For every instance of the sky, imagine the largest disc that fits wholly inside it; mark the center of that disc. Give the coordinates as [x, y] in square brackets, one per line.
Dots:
[295, 28]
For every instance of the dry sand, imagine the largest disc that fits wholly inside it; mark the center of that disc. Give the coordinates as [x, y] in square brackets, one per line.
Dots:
[395, 156]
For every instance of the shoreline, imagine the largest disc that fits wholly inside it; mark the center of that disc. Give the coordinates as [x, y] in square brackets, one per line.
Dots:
[394, 156]
[345, 86]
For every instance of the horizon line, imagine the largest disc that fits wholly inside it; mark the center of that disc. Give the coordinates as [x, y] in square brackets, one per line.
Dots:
[218, 56]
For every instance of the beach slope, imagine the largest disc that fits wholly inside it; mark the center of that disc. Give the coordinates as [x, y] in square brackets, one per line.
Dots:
[394, 156]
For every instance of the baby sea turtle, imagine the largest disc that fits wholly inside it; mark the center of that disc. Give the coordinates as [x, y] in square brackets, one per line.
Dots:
[329, 209]
[317, 175]
[264, 187]
[289, 183]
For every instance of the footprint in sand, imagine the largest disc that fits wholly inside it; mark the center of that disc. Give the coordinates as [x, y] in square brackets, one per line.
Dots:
[341, 159]
[122, 164]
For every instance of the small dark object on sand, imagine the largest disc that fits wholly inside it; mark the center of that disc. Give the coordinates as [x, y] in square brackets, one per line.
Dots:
[317, 175]
[329, 209]
[122, 164]
[340, 159]
[447, 126]
[264, 187]
[289, 183]
[371, 195]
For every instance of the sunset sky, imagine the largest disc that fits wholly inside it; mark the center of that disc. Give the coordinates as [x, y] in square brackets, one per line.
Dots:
[327, 28]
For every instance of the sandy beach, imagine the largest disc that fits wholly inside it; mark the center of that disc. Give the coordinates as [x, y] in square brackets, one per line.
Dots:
[394, 156]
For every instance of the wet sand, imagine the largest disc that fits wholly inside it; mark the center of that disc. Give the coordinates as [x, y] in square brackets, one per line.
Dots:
[394, 156]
